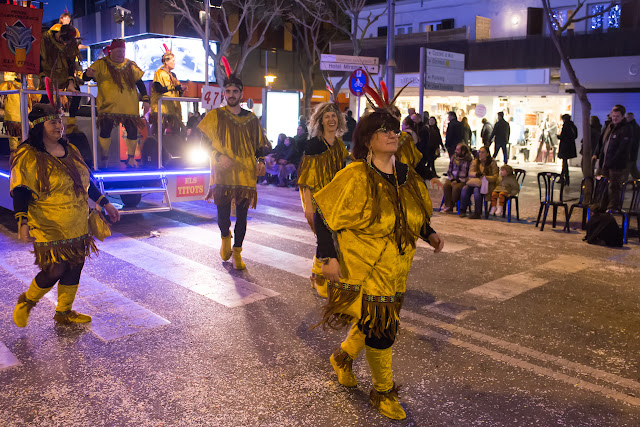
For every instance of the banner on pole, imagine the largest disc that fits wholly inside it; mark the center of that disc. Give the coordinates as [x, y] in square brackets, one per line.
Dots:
[20, 35]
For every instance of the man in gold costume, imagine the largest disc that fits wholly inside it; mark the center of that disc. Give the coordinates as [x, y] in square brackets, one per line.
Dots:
[165, 83]
[119, 81]
[374, 209]
[59, 54]
[50, 185]
[12, 124]
[324, 155]
[237, 140]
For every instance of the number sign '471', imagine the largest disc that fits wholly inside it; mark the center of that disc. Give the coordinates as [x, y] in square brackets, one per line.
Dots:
[211, 97]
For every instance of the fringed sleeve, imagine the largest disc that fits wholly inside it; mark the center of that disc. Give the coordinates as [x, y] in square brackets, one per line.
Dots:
[407, 152]
[319, 165]
[24, 170]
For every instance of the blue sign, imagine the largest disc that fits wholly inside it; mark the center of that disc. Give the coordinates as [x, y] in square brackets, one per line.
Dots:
[357, 82]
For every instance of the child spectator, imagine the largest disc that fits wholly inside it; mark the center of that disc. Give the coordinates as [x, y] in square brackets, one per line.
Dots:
[507, 186]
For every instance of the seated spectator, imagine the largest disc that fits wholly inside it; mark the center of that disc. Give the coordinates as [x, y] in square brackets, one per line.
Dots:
[286, 161]
[458, 175]
[507, 186]
[270, 160]
[483, 166]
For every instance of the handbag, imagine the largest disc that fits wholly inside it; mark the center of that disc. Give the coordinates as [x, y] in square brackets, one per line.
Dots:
[484, 187]
[474, 182]
[98, 225]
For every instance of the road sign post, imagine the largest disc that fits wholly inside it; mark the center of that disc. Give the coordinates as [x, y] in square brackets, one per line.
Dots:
[444, 71]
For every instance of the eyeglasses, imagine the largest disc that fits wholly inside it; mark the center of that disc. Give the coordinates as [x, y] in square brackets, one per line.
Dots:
[388, 132]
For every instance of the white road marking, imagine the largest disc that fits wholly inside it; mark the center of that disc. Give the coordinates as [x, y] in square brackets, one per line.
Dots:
[506, 287]
[202, 279]
[113, 315]
[285, 261]
[567, 264]
[521, 350]
[282, 199]
[7, 359]
[449, 247]
[448, 309]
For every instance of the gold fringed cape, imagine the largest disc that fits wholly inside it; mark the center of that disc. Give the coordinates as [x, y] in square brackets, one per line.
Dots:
[407, 152]
[171, 111]
[58, 211]
[238, 137]
[57, 60]
[117, 92]
[370, 222]
[317, 170]
[12, 125]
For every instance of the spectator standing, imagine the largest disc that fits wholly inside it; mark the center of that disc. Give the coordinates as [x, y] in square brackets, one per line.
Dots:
[435, 143]
[567, 147]
[485, 133]
[482, 167]
[351, 125]
[458, 175]
[596, 133]
[615, 156]
[501, 132]
[634, 146]
[454, 134]
[466, 131]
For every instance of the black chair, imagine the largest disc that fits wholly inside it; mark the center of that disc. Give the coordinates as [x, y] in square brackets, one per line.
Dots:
[550, 197]
[520, 175]
[580, 204]
[629, 208]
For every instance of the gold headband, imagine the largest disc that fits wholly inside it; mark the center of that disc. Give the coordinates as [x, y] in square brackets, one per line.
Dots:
[46, 118]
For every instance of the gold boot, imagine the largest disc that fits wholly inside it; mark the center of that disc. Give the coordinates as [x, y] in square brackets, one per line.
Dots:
[64, 315]
[225, 248]
[26, 302]
[318, 281]
[384, 396]
[237, 259]
[131, 152]
[343, 357]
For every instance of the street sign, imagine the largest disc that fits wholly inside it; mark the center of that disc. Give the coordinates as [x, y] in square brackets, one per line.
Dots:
[211, 97]
[346, 59]
[341, 66]
[357, 81]
[444, 71]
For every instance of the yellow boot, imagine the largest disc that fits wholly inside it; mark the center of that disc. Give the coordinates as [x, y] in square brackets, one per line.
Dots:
[131, 152]
[225, 248]
[343, 357]
[71, 126]
[318, 281]
[26, 302]
[384, 396]
[64, 315]
[237, 259]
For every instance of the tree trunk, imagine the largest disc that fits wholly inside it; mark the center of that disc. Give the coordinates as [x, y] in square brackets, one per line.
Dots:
[307, 89]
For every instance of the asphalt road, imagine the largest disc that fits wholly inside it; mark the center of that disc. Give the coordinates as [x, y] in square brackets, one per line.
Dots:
[509, 326]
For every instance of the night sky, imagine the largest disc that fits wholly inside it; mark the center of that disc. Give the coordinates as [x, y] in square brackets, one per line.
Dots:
[54, 8]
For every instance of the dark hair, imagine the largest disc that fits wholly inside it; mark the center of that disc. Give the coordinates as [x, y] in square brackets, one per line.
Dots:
[67, 33]
[465, 120]
[620, 109]
[367, 126]
[64, 15]
[501, 114]
[410, 123]
[350, 113]
[595, 121]
[434, 119]
[566, 117]
[485, 121]
[453, 113]
[466, 150]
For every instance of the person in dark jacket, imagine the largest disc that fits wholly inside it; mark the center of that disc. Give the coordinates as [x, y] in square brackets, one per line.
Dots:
[567, 147]
[615, 156]
[435, 142]
[351, 125]
[596, 132]
[501, 132]
[454, 135]
[466, 131]
[635, 145]
[485, 133]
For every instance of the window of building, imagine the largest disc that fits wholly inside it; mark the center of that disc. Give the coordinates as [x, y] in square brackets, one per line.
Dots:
[426, 27]
[382, 31]
[404, 29]
[606, 20]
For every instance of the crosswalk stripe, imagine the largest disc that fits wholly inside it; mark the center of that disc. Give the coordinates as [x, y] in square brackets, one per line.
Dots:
[113, 315]
[202, 279]
[567, 264]
[506, 287]
[449, 247]
[7, 359]
[282, 199]
[284, 261]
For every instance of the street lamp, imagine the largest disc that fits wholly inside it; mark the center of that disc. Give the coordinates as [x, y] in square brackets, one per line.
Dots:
[269, 80]
[123, 17]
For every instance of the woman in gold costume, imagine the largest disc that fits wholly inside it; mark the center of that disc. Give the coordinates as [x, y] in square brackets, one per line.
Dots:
[374, 209]
[165, 83]
[50, 186]
[324, 155]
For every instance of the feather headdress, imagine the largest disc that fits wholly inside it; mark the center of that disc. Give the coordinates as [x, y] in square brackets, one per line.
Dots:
[333, 96]
[379, 96]
[231, 79]
[167, 52]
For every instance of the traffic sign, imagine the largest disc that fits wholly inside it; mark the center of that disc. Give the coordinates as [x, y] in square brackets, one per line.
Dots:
[357, 81]
[346, 59]
[211, 97]
[341, 66]
[445, 71]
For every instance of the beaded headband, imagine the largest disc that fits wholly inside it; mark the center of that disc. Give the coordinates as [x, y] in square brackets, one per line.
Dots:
[46, 118]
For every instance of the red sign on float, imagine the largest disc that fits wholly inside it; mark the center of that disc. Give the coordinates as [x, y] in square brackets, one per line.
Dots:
[20, 34]
[189, 185]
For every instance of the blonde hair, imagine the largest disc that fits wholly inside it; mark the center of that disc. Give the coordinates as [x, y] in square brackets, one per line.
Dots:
[315, 122]
[167, 56]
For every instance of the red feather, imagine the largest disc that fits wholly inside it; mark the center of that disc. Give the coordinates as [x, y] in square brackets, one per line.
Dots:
[166, 49]
[49, 87]
[373, 94]
[329, 89]
[227, 67]
[385, 92]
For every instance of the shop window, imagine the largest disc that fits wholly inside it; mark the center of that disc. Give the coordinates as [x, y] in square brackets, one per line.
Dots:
[382, 31]
[426, 27]
[604, 20]
[404, 29]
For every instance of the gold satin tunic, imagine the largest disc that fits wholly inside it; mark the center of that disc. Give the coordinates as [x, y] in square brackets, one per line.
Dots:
[169, 108]
[111, 101]
[407, 152]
